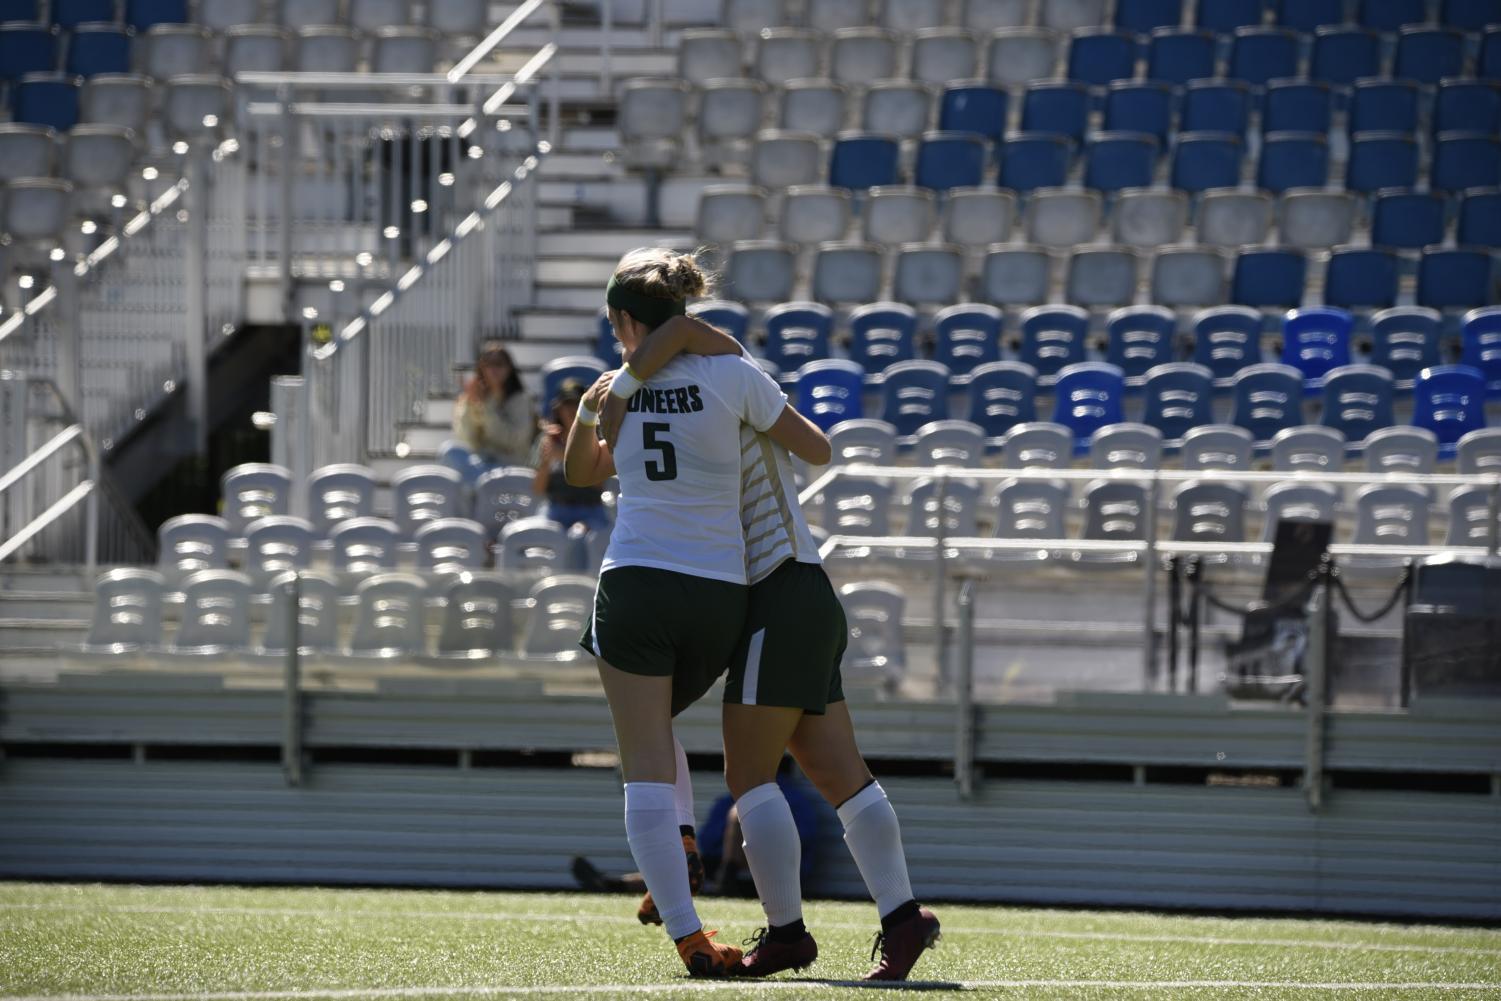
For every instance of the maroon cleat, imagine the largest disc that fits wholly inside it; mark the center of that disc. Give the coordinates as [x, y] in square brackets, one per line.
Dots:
[901, 946]
[768, 957]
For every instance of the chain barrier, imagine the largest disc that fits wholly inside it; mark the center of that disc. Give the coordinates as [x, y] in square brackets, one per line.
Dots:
[1403, 586]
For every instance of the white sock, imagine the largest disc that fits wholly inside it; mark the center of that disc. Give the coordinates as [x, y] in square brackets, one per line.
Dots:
[682, 789]
[652, 830]
[875, 840]
[774, 852]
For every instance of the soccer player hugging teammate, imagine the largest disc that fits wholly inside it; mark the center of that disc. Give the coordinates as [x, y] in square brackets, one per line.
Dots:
[785, 641]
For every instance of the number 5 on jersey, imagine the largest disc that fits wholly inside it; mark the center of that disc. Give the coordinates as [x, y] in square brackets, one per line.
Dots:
[667, 468]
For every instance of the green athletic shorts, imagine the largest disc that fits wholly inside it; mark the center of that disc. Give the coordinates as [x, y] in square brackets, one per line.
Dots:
[794, 639]
[666, 624]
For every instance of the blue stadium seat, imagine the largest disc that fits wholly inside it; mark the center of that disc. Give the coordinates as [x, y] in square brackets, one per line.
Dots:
[1297, 106]
[1096, 56]
[98, 48]
[1361, 277]
[1178, 55]
[71, 13]
[1455, 278]
[1357, 401]
[1053, 337]
[1116, 160]
[1057, 106]
[580, 368]
[973, 107]
[950, 160]
[1382, 160]
[606, 348]
[914, 393]
[1269, 277]
[1404, 341]
[1308, 15]
[26, 49]
[1292, 160]
[1427, 53]
[863, 160]
[1480, 346]
[1384, 106]
[830, 391]
[1138, 339]
[882, 334]
[1203, 160]
[1480, 218]
[1467, 106]
[1142, 16]
[1031, 160]
[966, 336]
[1466, 160]
[1389, 15]
[49, 99]
[1002, 394]
[798, 333]
[1467, 15]
[1227, 339]
[1260, 55]
[142, 14]
[731, 317]
[1216, 106]
[1139, 106]
[20, 10]
[1316, 340]
[1224, 16]
[1449, 400]
[1265, 399]
[1086, 397]
[1345, 54]
[1179, 396]
[1488, 64]
[1410, 220]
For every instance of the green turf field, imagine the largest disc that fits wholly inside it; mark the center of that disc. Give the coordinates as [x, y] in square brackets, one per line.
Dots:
[97, 942]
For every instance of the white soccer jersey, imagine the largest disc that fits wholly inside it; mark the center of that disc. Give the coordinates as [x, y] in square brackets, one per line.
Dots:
[678, 459]
[772, 518]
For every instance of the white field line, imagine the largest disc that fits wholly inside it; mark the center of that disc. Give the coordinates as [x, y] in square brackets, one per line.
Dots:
[542, 917]
[743, 987]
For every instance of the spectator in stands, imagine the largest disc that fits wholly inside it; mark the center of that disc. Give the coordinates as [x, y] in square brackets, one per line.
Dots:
[493, 424]
[566, 505]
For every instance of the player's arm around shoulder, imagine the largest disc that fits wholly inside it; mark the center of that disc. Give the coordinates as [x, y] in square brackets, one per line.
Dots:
[679, 335]
[801, 437]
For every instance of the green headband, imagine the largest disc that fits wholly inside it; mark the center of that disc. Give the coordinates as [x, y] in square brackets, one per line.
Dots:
[648, 309]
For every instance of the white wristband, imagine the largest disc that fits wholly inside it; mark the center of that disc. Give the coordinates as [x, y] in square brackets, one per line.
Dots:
[586, 417]
[625, 384]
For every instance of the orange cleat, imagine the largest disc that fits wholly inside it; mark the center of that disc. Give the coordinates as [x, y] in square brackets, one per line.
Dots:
[647, 912]
[708, 959]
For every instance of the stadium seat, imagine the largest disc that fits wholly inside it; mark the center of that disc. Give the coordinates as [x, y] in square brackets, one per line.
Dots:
[1292, 160]
[966, 335]
[391, 617]
[363, 545]
[857, 506]
[760, 271]
[830, 391]
[914, 16]
[1203, 160]
[535, 544]
[1029, 509]
[1034, 160]
[1297, 106]
[1217, 447]
[876, 644]
[1179, 396]
[306, 13]
[1063, 217]
[1260, 55]
[1362, 277]
[1466, 15]
[1384, 106]
[1480, 346]
[941, 54]
[1207, 512]
[786, 53]
[143, 14]
[813, 106]
[978, 217]
[1126, 446]
[1404, 451]
[783, 159]
[1225, 16]
[813, 214]
[363, 15]
[477, 622]
[1096, 56]
[1297, 502]
[1177, 55]
[897, 107]
[1101, 276]
[1188, 276]
[254, 490]
[949, 443]
[1391, 515]
[276, 545]
[117, 99]
[98, 48]
[1016, 275]
[1116, 511]
[914, 393]
[1427, 53]
[731, 317]
[729, 116]
[452, 544]
[846, 272]
[189, 543]
[863, 441]
[1038, 445]
[1069, 15]
[1479, 453]
[49, 99]
[69, 14]
[1142, 16]
[1232, 218]
[1227, 339]
[420, 494]
[1408, 220]
[1456, 278]
[1139, 106]
[863, 55]
[1060, 107]
[1466, 160]
[1380, 160]
[334, 49]
[1116, 160]
[561, 608]
[1216, 106]
[1269, 277]
[169, 50]
[863, 160]
[1315, 219]
[27, 151]
[882, 334]
[830, 15]
[1002, 394]
[1139, 338]
[1308, 449]
[583, 369]
[215, 615]
[197, 107]
[502, 496]
[651, 116]
[1018, 56]
[958, 516]
[1470, 522]
[1087, 396]
[1342, 55]
[1389, 15]
[1479, 218]
[27, 48]
[1405, 340]
[1307, 15]
[730, 212]
[949, 160]
[1449, 400]
[317, 614]
[708, 54]
[973, 107]
[1266, 399]
[898, 214]
[1357, 400]
[338, 492]
[798, 333]
[986, 16]
[1053, 337]
[252, 48]
[1148, 218]
[1316, 340]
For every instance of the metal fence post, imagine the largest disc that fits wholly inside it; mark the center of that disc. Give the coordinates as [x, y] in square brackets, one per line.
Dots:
[940, 575]
[1493, 532]
[1316, 673]
[289, 142]
[91, 511]
[1149, 558]
[964, 700]
[291, 744]
[195, 289]
[607, 29]
[69, 346]
[13, 392]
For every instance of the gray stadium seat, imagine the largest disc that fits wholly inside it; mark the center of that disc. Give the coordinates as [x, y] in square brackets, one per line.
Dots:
[37, 209]
[215, 614]
[189, 543]
[1126, 446]
[220, 15]
[307, 13]
[746, 17]
[942, 54]
[1029, 509]
[1308, 449]
[1016, 275]
[1068, 15]
[254, 490]
[863, 440]
[404, 49]
[99, 157]
[760, 271]
[1063, 217]
[652, 116]
[1019, 55]
[783, 159]
[277, 544]
[978, 217]
[1470, 517]
[117, 99]
[857, 506]
[477, 620]
[930, 274]
[730, 212]
[168, 50]
[536, 543]
[1149, 217]
[895, 215]
[729, 116]
[708, 54]
[863, 55]
[831, 15]
[337, 492]
[897, 107]
[1298, 502]
[1315, 219]
[814, 214]
[1188, 276]
[127, 612]
[447, 544]
[197, 107]
[1114, 511]
[1209, 512]
[255, 48]
[317, 614]
[876, 644]
[912, 16]
[364, 545]
[1102, 276]
[26, 151]
[502, 496]
[372, 15]
[561, 606]
[1038, 445]
[423, 493]
[1229, 217]
[816, 107]
[986, 16]
[788, 54]
[949, 443]
[847, 272]
[459, 17]
[1408, 450]
[961, 510]
[390, 617]
[326, 48]
[1217, 447]
[1479, 452]
[1390, 515]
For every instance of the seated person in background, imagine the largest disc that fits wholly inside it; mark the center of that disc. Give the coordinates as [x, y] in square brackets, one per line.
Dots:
[564, 504]
[493, 422]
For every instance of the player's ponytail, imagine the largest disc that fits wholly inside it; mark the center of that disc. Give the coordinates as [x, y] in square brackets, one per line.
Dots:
[653, 284]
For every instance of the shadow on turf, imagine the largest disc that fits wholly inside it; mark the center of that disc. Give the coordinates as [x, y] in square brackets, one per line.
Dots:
[876, 985]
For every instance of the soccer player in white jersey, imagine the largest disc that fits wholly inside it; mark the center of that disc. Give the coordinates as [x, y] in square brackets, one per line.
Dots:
[672, 594]
[784, 693]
